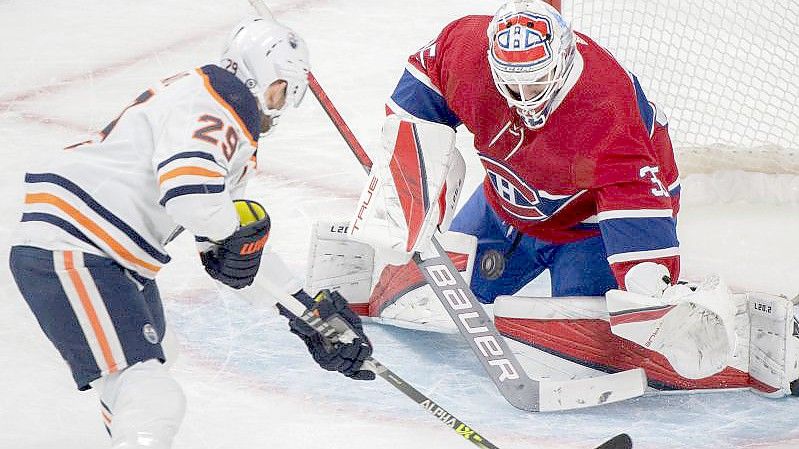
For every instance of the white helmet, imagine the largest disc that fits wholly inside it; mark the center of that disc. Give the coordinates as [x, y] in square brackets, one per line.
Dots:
[530, 50]
[261, 51]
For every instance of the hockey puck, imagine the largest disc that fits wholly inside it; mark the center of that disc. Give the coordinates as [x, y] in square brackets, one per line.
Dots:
[492, 265]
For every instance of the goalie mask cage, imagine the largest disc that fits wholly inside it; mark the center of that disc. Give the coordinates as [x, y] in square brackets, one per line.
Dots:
[726, 74]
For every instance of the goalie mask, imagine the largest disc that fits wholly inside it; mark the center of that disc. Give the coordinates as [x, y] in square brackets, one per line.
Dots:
[261, 51]
[530, 52]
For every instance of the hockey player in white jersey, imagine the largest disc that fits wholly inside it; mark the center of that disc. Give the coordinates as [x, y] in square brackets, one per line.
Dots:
[97, 218]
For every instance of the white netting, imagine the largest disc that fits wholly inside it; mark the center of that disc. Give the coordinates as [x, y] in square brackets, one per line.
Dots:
[726, 72]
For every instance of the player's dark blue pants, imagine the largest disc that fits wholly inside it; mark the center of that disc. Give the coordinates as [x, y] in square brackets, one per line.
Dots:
[577, 269]
[101, 317]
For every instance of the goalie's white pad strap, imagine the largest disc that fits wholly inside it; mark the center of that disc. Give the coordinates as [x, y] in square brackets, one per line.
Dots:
[694, 330]
[566, 308]
[412, 189]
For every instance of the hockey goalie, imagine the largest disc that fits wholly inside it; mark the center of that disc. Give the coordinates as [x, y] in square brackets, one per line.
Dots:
[580, 181]
[687, 336]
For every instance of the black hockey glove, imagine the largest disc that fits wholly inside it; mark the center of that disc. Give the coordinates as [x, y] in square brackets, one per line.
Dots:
[235, 260]
[346, 358]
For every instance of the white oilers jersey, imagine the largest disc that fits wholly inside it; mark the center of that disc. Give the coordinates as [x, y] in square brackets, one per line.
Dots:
[176, 157]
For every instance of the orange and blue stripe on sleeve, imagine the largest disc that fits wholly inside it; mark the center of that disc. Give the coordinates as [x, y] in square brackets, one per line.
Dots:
[189, 173]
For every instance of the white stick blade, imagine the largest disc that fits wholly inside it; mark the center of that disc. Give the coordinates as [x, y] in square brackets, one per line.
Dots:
[581, 393]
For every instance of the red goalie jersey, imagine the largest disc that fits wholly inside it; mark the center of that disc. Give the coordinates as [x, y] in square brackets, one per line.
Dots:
[603, 163]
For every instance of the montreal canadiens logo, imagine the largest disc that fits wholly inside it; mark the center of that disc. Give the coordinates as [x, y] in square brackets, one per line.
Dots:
[522, 40]
[517, 198]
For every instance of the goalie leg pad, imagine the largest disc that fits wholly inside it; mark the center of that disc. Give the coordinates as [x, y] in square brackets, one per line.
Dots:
[391, 294]
[570, 337]
[402, 297]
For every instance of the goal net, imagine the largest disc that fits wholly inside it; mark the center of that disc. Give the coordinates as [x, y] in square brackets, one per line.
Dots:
[726, 73]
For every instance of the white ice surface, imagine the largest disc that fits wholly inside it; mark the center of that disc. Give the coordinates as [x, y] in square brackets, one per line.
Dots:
[69, 67]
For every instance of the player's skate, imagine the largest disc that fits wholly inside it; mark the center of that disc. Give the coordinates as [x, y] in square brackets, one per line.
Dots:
[390, 294]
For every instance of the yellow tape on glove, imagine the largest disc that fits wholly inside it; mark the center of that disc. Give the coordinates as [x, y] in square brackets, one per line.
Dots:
[249, 211]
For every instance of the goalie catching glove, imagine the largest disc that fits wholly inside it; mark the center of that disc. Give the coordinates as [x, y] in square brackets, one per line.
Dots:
[692, 326]
[235, 260]
[352, 348]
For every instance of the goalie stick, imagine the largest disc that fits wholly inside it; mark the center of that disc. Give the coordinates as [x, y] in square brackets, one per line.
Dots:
[621, 441]
[477, 328]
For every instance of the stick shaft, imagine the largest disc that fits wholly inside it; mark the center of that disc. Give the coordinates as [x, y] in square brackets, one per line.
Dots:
[431, 406]
[340, 124]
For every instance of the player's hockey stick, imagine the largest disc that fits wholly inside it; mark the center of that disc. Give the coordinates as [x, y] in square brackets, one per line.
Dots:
[477, 328]
[621, 441]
